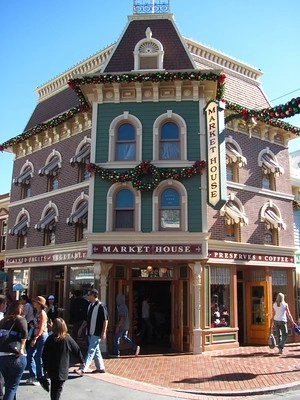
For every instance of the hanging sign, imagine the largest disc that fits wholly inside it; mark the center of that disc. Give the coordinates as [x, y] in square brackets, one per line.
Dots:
[216, 157]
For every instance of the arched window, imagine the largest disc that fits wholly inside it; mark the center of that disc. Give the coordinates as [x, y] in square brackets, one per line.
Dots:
[169, 142]
[148, 53]
[79, 217]
[234, 160]
[47, 224]
[81, 159]
[51, 170]
[271, 216]
[124, 210]
[170, 207]
[126, 143]
[170, 210]
[169, 136]
[125, 133]
[270, 168]
[20, 229]
[235, 218]
[24, 180]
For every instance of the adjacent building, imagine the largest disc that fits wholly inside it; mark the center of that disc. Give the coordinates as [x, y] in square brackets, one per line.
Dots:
[157, 168]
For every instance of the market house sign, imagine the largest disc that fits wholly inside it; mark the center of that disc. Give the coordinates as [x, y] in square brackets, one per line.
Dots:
[153, 249]
[216, 154]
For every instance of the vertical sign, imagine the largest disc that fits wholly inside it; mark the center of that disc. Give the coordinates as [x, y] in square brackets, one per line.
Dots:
[216, 157]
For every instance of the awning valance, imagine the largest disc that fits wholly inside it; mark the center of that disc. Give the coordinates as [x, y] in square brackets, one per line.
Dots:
[20, 228]
[51, 168]
[48, 222]
[82, 156]
[80, 215]
[233, 156]
[234, 215]
[24, 177]
[273, 220]
[270, 165]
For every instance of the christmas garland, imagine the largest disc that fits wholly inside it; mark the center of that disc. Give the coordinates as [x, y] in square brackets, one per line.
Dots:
[76, 83]
[268, 115]
[296, 205]
[146, 176]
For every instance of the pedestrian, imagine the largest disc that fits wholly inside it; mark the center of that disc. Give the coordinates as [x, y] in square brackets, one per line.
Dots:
[34, 352]
[56, 356]
[281, 314]
[52, 308]
[12, 353]
[121, 331]
[2, 306]
[146, 320]
[95, 322]
[28, 309]
[78, 311]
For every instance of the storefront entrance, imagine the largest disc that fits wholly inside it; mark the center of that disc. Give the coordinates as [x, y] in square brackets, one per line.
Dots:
[258, 318]
[158, 294]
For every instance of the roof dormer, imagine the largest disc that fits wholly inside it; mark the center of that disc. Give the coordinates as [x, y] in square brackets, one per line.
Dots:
[148, 53]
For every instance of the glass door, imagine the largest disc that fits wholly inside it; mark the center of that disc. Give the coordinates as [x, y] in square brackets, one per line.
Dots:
[258, 315]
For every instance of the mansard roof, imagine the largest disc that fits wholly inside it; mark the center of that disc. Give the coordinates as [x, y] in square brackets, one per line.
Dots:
[176, 55]
[52, 106]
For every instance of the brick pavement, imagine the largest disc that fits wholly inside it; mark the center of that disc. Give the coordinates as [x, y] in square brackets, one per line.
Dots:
[243, 371]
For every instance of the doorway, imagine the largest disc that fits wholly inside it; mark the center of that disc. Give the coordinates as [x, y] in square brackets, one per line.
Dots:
[155, 338]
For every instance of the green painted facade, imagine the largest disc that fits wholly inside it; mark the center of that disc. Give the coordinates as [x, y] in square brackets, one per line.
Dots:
[147, 113]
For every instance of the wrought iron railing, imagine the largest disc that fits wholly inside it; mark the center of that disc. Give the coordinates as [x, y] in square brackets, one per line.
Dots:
[151, 7]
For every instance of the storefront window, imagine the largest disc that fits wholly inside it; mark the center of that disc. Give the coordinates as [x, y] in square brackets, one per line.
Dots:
[81, 278]
[279, 283]
[220, 297]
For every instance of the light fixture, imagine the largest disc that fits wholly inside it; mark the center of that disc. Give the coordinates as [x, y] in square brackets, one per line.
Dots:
[149, 268]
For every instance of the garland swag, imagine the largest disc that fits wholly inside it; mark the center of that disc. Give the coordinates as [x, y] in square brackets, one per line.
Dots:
[146, 176]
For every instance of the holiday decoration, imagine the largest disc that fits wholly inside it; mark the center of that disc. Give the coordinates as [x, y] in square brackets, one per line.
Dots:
[146, 176]
[271, 115]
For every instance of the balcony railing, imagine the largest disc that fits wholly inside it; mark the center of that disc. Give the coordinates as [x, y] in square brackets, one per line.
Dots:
[151, 7]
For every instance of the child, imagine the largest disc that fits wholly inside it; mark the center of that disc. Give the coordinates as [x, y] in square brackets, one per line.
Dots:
[56, 356]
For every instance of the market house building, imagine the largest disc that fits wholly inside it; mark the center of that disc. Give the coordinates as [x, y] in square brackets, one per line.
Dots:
[147, 169]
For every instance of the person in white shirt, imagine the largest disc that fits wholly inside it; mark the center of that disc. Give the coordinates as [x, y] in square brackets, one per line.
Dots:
[279, 320]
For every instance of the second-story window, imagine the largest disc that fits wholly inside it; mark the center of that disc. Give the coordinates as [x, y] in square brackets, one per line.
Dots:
[47, 224]
[79, 219]
[20, 230]
[124, 210]
[170, 210]
[271, 216]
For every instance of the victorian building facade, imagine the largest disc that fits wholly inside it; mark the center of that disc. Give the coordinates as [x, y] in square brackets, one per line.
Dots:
[144, 170]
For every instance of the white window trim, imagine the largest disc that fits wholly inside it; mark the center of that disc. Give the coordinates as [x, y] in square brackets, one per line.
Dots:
[183, 204]
[113, 130]
[110, 206]
[169, 116]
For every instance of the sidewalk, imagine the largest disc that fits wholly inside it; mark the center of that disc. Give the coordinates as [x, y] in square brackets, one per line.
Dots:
[244, 371]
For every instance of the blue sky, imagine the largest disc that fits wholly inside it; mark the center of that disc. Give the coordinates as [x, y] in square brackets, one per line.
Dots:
[40, 39]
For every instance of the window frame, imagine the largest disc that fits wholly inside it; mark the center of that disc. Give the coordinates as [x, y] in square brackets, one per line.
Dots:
[169, 116]
[156, 208]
